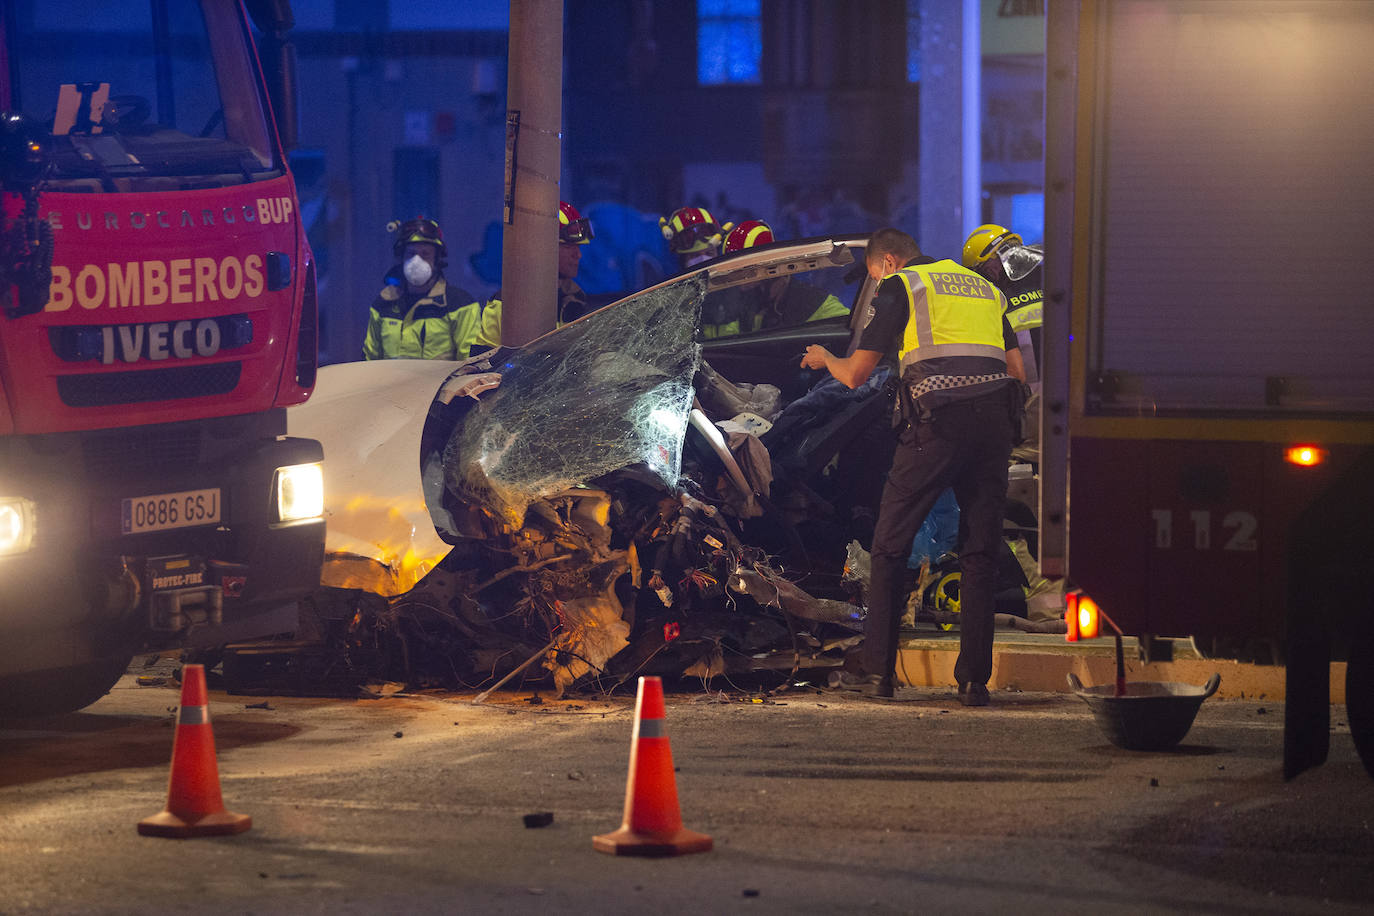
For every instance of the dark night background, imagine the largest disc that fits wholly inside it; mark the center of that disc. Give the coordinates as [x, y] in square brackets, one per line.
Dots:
[807, 114]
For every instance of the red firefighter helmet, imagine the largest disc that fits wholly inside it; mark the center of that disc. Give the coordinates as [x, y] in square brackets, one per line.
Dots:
[573, 227]
[747, 234]
[420, 230]
[692, 229]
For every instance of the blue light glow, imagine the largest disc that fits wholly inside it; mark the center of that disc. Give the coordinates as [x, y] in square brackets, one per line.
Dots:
[729, 42]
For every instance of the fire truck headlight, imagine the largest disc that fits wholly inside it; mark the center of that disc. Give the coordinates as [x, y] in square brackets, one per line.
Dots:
[16, 525]
[298, 491]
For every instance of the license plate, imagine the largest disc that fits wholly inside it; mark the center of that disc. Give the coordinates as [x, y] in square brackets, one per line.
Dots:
[164, 511]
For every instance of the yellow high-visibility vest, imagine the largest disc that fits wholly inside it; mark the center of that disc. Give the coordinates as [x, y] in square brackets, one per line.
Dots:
[953, 312]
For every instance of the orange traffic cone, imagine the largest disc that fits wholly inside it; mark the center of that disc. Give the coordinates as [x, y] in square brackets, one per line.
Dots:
[194, 806]
[653, 823]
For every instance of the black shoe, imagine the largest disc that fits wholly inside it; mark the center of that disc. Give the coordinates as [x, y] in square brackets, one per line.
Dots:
[971, 694]
[871, 685]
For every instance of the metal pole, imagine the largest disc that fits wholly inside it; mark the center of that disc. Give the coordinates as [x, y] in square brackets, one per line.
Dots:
[941, 134]
[534, 117]
[972, 88]
[1061, 184]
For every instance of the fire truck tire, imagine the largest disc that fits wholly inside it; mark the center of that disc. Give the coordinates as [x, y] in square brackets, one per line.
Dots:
[59, 690]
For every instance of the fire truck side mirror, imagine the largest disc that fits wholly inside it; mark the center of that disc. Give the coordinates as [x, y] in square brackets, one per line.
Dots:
[26, 241]
[23, 151]
[274, 20]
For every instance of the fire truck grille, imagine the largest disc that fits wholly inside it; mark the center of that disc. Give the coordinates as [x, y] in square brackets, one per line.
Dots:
[107, 389]
[150, 449]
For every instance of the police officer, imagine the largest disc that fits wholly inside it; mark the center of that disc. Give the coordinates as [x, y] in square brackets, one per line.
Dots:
[1017, 269]
[417, 315]
[948, 327]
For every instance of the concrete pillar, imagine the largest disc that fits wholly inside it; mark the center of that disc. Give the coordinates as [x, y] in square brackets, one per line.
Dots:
[950, 126]
[534, 118]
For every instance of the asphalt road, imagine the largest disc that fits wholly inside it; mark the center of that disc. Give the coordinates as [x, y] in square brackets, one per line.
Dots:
[817, 802]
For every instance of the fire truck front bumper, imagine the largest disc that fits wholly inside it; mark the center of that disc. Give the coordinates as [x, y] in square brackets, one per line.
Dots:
[218, 552]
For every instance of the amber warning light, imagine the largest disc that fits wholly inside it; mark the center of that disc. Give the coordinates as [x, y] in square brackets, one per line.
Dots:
[1082, 617]
[1305, 455]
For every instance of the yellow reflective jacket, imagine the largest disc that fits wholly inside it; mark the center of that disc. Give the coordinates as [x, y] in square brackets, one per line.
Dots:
[572, 304]
[734, 311]
[442, 324]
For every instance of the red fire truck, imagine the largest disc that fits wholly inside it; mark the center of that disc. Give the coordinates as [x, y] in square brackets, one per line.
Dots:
[159, 316]
[1208, 419]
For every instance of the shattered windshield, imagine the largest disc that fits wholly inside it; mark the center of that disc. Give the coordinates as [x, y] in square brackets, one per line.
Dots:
[606, 392]
[136, 93]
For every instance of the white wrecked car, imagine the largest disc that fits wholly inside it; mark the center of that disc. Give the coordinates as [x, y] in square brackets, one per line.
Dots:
[602, 502]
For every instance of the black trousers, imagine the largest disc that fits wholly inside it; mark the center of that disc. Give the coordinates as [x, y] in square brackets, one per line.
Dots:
[964, 445]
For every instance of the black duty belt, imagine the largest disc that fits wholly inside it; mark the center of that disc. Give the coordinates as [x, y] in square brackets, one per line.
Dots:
[945, 382]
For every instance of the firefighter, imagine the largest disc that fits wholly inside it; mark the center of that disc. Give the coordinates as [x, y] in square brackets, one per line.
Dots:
[693, 235]
[1017, 270]
[417, 315]
[780, 302]
[574, 231]
[959, 398]
[747, 234]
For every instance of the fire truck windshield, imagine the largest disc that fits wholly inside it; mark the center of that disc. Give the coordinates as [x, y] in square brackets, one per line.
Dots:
[140, 95]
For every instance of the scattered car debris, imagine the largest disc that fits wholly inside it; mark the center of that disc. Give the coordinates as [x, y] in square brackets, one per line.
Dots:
[538, 819]
[379, 691]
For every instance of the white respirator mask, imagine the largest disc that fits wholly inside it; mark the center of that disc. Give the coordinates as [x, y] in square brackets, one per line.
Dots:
[417, 271]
